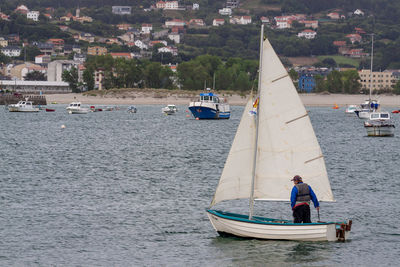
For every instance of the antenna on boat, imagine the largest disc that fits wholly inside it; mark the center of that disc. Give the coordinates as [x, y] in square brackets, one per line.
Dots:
[370, 73]
[214, 81]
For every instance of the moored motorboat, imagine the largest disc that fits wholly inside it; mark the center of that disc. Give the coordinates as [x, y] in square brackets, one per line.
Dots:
[132, 109]
[79, 111]
[23, 106]
[210, 106]
[169, 109]
[379, 124]
[350, 109]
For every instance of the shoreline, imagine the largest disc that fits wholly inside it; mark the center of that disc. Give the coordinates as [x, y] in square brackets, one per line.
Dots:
[164, 97]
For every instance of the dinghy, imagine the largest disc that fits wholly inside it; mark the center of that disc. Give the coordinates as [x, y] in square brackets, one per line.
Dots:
[274, 141]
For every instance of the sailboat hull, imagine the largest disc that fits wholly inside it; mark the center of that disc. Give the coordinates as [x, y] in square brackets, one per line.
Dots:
[265, 228]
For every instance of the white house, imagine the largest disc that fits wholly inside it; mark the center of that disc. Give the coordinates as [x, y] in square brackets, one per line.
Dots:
[196, 6]
[22, 9]
[358, 12]
[218, 22]
[175, 22]
[283, 22]
[42, 59]
[147, 28]
[243, 20]
[11, 51]
[175, 37]
[33, 15]
[225, 11]
[171, 5]
[140, 44]
[168, 49]
[121, 10]
[308, 34]
[264, 20]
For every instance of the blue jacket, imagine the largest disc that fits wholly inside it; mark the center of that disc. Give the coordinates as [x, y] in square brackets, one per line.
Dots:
[293, 197]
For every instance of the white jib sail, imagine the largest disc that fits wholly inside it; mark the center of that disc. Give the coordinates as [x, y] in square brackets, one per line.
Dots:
[287, 144]
[235, 181]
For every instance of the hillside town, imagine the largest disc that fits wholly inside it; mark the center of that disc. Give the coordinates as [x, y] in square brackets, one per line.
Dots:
[57, 55]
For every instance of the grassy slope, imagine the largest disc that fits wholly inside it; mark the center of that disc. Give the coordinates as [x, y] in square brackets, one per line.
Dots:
[342, 60]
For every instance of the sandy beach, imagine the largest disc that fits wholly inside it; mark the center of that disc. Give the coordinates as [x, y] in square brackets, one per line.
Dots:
[164, 97]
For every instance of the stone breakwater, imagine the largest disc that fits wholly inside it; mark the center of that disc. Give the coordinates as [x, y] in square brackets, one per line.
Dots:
[7, 99]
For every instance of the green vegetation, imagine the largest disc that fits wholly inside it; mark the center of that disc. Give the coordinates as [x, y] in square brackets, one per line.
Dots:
[339, 82]
[342, 60]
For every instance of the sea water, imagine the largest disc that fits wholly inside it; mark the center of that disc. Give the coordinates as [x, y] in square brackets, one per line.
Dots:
[122, 189]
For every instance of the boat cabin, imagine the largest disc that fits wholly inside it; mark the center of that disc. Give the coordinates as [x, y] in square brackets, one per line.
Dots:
[379, 116]
[24, 103]
[75, 105]
[209, 97]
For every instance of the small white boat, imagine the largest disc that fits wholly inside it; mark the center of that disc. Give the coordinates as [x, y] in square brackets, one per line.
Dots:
[132, 109]
[379, 124]
[23, 106]
[272, 143]
[169, 109]
[366, 108]
[350, 110]
[75, 108]
[80, 111]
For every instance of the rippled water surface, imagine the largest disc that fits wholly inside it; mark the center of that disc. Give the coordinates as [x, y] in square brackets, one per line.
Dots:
[120, 189]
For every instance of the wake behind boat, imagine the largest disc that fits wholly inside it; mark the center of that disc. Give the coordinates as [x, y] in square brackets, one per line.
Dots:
[273, 143]
[210, 106]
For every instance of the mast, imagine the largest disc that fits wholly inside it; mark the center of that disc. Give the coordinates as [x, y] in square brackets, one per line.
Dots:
[214, 81]
[370, 73]
[251, 204]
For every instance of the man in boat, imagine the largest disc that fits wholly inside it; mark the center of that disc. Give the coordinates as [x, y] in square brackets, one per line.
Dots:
[300, 198]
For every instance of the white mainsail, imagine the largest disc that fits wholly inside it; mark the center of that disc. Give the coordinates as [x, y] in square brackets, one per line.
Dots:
[235, 181]
[286, 144]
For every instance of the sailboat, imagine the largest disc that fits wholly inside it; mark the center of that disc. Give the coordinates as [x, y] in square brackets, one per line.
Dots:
[370, 105]
[273, 143]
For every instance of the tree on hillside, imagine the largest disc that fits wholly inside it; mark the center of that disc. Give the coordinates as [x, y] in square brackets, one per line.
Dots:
[157, 76]
[71, 77]
[35, 76]
[88, 78]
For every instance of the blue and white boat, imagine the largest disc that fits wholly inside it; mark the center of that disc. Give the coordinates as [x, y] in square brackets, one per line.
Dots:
[210, 106]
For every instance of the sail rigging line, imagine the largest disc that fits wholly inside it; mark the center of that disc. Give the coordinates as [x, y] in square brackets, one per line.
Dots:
[253, 176]
[277, 79]
[308, 161]
[298, 118]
